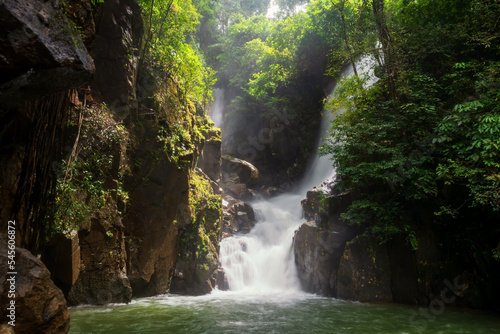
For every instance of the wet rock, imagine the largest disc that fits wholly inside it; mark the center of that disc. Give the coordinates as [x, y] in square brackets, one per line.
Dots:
[222, 283]
[319, 244]
[364, 272]
[239, 217]
[40, 305]
[271, 192]
[325, 203]
[197, 276]
[317, 255]
[41, 52]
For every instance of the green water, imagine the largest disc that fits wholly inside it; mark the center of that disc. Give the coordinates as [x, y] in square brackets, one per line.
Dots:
[267, 313]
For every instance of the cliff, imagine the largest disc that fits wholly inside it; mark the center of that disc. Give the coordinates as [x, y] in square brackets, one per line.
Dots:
[99, 158]
[335, 259]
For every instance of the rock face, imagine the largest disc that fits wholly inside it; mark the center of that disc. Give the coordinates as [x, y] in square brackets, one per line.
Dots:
[332, 260]
[319, 244]
[62, 258]
[317, 257]
[115, 51]
[364, 272]
[130, 245]
[41, 51]
[196, 269]
[42, 57]
[103, 278]
[159, 196]
[210, 158]
[40, 305]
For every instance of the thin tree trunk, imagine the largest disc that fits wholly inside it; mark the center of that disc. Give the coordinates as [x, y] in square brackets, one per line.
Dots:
[387, 48]
[350, 51]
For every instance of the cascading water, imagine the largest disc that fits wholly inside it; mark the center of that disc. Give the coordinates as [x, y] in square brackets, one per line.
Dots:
[216, 111]
[262, 261]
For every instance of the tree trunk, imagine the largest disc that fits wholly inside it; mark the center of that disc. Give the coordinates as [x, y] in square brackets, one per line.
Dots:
[386, 40]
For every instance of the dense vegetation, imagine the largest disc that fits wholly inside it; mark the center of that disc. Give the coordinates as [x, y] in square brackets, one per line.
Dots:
[174, 88]
[420, 147]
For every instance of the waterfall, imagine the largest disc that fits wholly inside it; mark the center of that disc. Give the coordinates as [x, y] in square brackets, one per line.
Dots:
[262, 261]
[216, 111]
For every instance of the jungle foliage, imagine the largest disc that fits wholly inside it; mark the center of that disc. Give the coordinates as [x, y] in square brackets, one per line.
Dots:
[420, 147]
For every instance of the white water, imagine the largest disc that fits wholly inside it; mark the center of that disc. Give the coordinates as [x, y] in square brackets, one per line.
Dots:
[216, 111]
[262, 261]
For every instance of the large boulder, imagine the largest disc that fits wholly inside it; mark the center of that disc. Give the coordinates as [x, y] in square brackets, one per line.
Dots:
[40, 306]
[247, 173]
[41, 51]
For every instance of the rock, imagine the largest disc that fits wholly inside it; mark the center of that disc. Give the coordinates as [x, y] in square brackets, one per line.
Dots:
[222, 283]
[210, 158]
[40, 305]
[317, 256]
[103, 277]
[247, 173]
[197, 276]
[216, 188]
[159, 206]
[80, 12]
[271, 192]
[364, 272]
[244, 217]
[325, 203]
[62, 258]
[238, 217]
[115, 50]
[41, 51]
[196, 269]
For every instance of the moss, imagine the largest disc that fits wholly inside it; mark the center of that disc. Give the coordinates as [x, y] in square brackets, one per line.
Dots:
[198, 241]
